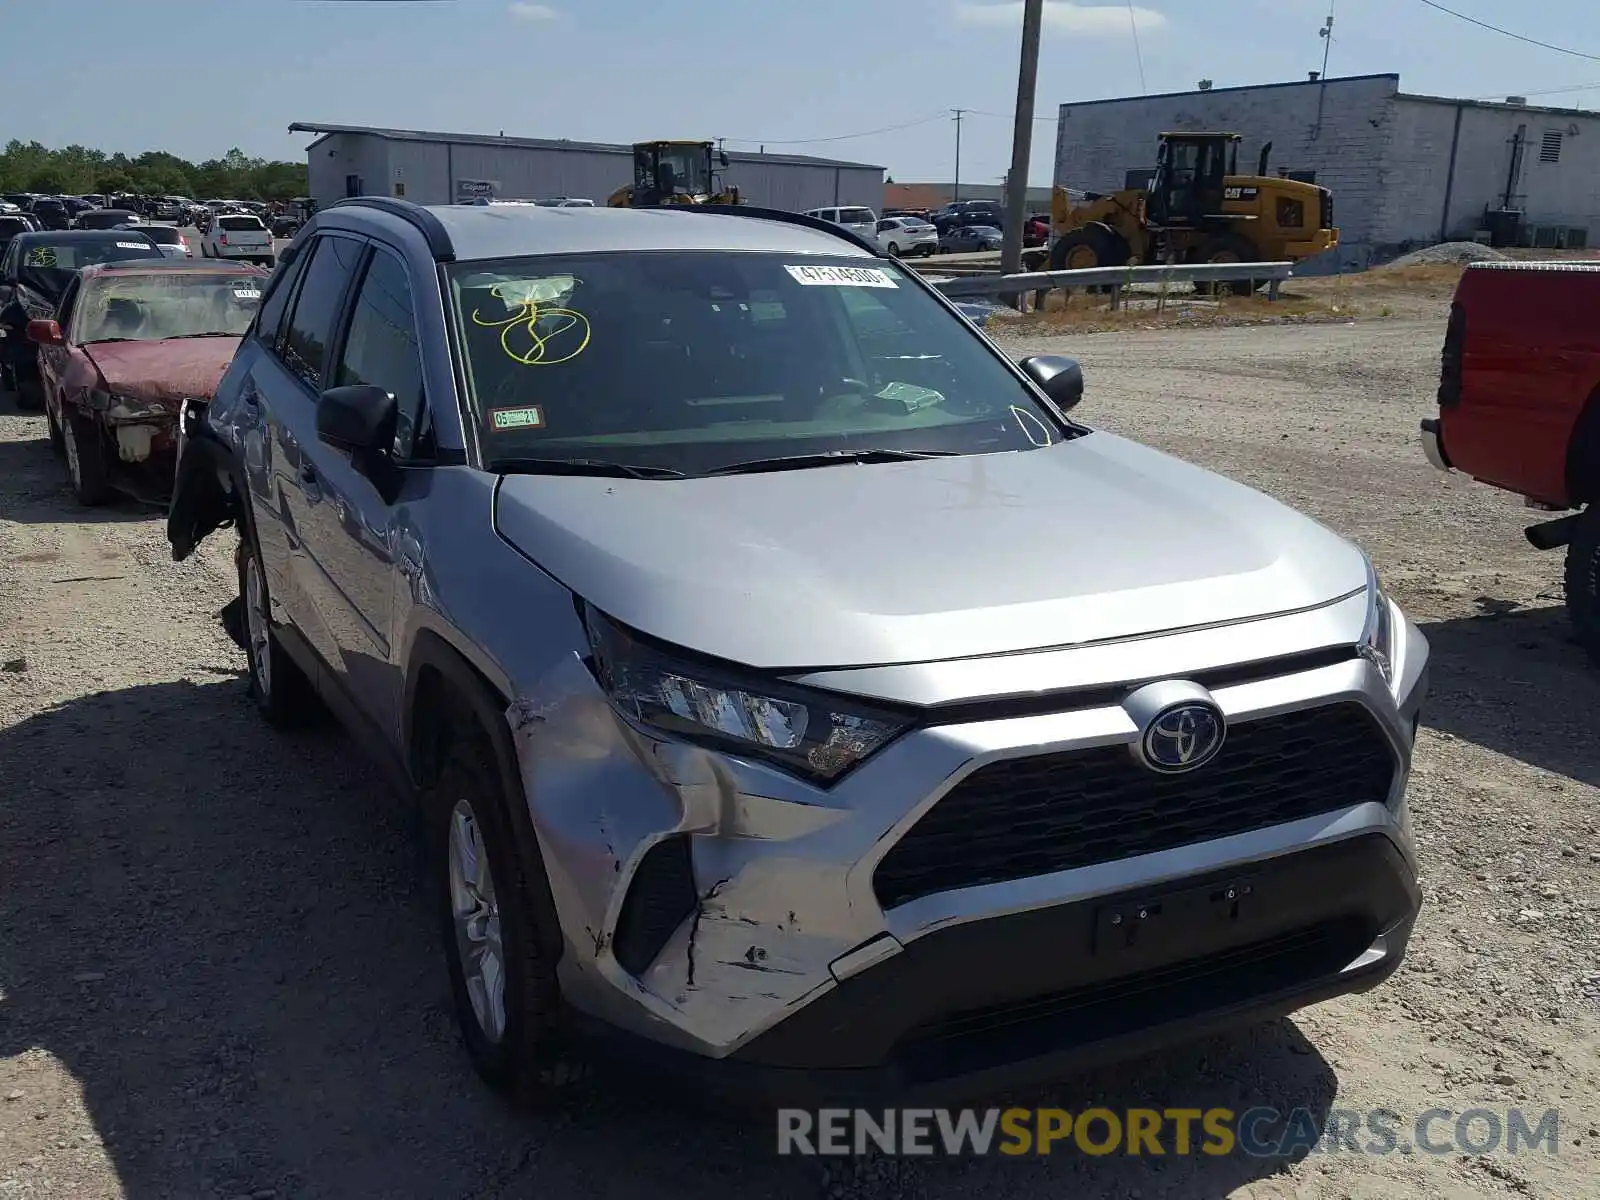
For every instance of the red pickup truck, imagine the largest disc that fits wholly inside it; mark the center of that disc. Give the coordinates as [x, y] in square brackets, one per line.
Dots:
[1519, 406]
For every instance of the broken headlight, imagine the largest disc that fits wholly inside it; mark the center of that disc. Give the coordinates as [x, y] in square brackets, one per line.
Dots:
[812, 734]
[1377, 637]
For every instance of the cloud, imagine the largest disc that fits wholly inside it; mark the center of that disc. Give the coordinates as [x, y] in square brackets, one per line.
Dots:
[1069, 18]
[532, 12]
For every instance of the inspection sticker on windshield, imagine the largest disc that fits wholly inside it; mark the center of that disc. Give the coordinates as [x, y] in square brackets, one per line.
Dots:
[842, 277]
[516, 418]
[133, 245]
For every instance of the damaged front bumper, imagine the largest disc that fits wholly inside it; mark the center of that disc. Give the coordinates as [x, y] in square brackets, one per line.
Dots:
[722, 912]
[142, 430]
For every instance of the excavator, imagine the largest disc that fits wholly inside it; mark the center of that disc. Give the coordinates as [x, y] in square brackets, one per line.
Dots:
[674, 172]
[1194, 207]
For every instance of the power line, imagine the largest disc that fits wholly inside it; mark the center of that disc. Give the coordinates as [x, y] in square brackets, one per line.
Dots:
[1507, 33]
[842, 137]
[1138, 54]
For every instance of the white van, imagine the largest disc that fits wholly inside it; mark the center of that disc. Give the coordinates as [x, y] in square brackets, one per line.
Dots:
[858, 220]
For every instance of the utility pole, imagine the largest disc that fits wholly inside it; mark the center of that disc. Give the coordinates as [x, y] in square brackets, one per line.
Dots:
[956, 187]
[1021, 140]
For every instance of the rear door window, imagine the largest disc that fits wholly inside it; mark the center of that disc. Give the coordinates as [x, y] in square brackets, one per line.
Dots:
[269, 324]
[317, 306]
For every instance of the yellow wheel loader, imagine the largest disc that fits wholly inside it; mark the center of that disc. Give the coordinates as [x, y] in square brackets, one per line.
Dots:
[673, 173]
[1194, 208]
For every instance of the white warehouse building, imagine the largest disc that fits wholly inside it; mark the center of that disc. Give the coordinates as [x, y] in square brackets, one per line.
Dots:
[1404, 170]
[447, 168]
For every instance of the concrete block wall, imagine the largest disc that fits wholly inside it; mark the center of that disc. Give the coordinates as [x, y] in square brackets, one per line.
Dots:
[1096, 143]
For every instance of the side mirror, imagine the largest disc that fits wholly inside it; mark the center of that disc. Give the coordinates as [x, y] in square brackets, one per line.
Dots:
[358, 418]
[45, 333]
[1059, 377]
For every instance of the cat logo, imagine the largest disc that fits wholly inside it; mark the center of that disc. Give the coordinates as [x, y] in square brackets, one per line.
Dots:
[1239, 193]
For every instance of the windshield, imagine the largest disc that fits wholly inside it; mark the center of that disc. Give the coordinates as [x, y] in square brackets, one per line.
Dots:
[165, 235]
[151, 307]
[689, 169]
[694, 360]
[240, 224]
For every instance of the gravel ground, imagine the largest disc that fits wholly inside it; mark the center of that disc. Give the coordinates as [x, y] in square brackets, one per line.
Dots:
[217, 978]
[1449, 252]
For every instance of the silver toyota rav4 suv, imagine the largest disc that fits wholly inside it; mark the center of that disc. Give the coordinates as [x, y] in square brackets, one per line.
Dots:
[792, 690]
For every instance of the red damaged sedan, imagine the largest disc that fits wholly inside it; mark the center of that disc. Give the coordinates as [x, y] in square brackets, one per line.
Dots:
[130, 342]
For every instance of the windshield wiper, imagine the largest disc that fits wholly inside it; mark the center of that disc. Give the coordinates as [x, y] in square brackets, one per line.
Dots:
[580, 466]
[827, 458]
[208, 333]
[102, 341]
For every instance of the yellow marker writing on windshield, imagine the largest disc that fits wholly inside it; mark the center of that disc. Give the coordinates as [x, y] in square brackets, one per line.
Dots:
[565, 334]
[42, 256]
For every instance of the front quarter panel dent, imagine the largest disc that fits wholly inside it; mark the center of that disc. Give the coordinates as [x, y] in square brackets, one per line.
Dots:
[770, 918]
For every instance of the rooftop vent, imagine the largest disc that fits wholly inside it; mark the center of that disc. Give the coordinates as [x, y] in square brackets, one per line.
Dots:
[1313, 76]
[1204, 85]
[1520, 100]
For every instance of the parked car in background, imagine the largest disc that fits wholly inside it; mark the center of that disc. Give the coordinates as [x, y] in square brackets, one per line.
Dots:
[1037, 230]
[675, 565]
[166, 208]
[239, 235]
[169, 237]
[109, 218]
[862, 221]
[1519, 407]
[907, 236]
[35, 272]
[969, 239]
[12, 224]
[52, 213]
[128, 344]
[285, 227]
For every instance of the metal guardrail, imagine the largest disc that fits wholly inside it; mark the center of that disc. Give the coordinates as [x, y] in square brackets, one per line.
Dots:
[1115, 278]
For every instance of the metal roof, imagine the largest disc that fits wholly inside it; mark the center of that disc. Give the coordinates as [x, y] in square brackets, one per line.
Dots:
[484, 232]
[522, 143]
[1244, 87]
[1500, 105]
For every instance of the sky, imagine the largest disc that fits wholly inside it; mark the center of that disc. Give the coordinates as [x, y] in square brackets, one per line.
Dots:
[196, 77]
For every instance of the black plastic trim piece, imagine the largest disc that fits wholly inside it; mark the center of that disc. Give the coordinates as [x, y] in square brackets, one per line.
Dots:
[429, 226]
[787, 218]
[660, 898]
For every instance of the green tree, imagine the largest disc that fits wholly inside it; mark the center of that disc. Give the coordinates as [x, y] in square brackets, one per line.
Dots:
[108, 182]
[51, 180]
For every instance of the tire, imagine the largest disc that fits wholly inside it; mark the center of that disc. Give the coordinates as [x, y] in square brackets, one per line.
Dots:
[30, 394]
[514, 1033]
[1083, 249]
[8, 378]
[85, 451]
[894, 250]
[279, 689]
[1582, 580]
[1226, 249]
[1091, 246]
[58, 444]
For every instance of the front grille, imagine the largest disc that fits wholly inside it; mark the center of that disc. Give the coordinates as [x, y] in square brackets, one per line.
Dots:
[1111, 1008]
[1030, 816]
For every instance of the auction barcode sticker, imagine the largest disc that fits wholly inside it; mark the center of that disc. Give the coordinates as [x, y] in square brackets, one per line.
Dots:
[842, 277]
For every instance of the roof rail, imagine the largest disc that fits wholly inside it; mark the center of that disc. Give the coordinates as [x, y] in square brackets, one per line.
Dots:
[788, 218]
[424, 222]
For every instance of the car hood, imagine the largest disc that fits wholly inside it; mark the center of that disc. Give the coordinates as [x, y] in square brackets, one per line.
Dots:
[163, 373]
[1092, 539]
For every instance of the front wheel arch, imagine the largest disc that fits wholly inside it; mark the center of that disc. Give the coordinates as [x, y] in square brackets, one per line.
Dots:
[1583, 453]
[440, 684]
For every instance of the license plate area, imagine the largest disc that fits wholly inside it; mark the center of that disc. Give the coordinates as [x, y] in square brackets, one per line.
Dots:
[1164, 922]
